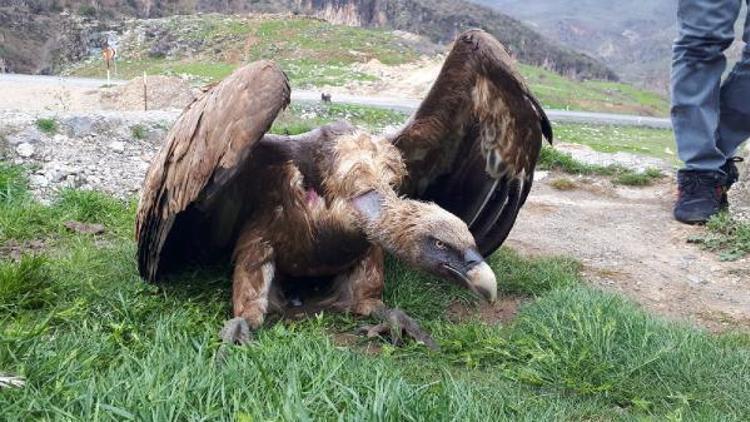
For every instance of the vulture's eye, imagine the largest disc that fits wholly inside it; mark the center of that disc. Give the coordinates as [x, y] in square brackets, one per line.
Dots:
[440, 244]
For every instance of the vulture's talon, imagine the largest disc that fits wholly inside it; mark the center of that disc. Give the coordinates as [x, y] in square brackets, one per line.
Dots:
[396, 325]
[236, 331]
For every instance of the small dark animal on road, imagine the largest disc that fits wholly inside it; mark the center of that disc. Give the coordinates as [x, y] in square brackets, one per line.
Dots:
[326, 98]
[322, 208]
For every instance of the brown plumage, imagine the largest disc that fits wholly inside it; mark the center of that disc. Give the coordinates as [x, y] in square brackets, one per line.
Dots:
[327, 204]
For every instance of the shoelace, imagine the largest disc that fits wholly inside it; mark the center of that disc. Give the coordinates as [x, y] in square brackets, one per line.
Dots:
[698, 183]
[731, 170]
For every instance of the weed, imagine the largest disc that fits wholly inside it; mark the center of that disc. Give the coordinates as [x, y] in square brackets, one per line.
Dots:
[657, 143]
[563, 183]
[645, 178]
[47, 125]
[726, 236]
[138, 131]
[552, 159]
[300, 118]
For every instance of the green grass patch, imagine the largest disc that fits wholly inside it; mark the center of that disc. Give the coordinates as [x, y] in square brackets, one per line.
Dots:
[47, 125]
[94, 342]
[138, 132]
[24, 285]
[645, 178]
[312, 52]
[13, 182]
[558, 92]
[23, 219]
[657, 143]
[552, 159]
[726, 236]
[301, 118]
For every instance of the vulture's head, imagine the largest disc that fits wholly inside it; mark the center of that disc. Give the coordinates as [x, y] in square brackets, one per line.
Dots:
[428, 237]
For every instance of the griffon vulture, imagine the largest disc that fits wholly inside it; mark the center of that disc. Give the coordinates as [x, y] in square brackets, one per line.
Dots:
[441, 194]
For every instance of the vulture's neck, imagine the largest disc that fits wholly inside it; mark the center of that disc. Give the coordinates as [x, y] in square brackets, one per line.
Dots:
[384, 217]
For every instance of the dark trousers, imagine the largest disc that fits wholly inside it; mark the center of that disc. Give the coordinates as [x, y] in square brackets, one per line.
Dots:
[711, 120]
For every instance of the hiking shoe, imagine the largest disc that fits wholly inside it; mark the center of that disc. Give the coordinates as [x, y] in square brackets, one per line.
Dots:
[733, 175]
[699, 196]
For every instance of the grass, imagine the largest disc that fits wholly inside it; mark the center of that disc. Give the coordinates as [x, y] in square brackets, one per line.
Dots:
[96, 343]
[558, 92]
[138, 132]
[311, 51]
[726, 236]
[302, 117]
[315, 53]
[552, 159]
[657, 143]
[47, 125]
[563, 183]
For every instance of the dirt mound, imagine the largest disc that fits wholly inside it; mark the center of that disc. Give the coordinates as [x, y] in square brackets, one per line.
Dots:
[410, 80]
[162, 93]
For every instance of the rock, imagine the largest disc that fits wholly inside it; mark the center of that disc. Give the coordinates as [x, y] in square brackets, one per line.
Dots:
[57, 172]
[117, 146]
[78, 227]
[25, 150]
[29, 135]
[78, 126]
[39, 181]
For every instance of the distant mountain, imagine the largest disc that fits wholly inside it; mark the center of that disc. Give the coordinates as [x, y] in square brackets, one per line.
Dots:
[634, 38]
[440, 20]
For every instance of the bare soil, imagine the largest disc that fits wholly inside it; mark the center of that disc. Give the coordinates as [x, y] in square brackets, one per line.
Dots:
[629, 243]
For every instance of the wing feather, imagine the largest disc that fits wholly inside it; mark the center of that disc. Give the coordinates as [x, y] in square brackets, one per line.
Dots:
[473, 144]
[204, 151]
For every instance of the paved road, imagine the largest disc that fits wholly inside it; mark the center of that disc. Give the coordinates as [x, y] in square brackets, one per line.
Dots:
[398, 104]
[409, 105]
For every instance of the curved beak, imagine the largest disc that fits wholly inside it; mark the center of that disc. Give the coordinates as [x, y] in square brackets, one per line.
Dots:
[476, 276]
[482, 281]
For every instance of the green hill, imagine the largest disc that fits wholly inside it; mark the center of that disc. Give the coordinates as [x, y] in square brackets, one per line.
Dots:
[317, 53]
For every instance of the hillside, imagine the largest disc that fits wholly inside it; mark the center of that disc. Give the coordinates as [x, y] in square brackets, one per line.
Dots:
[317, 54]
[633, 38]
[439, 20]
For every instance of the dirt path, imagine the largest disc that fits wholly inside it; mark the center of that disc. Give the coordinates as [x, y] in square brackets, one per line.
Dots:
[628, 242]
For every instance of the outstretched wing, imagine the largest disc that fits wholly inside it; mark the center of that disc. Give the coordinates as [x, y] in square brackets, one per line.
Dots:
[473, 144]
[206, 149]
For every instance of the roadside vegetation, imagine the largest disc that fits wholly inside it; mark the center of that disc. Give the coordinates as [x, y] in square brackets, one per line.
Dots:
[210, 47]
[726, 236]
[657, 143]
[304, 117]
[94, 342]
[552, 159]
[315, 53]
[47, 125]
[558, 92]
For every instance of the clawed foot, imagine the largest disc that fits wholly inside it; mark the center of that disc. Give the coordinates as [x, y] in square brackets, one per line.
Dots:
[396, 324]
[236, 331]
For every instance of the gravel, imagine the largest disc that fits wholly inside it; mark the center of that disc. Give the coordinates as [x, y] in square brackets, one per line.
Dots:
[98, 151]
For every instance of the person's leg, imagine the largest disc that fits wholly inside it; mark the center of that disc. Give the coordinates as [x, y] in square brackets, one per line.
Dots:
[734, 124]
[706, 29]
